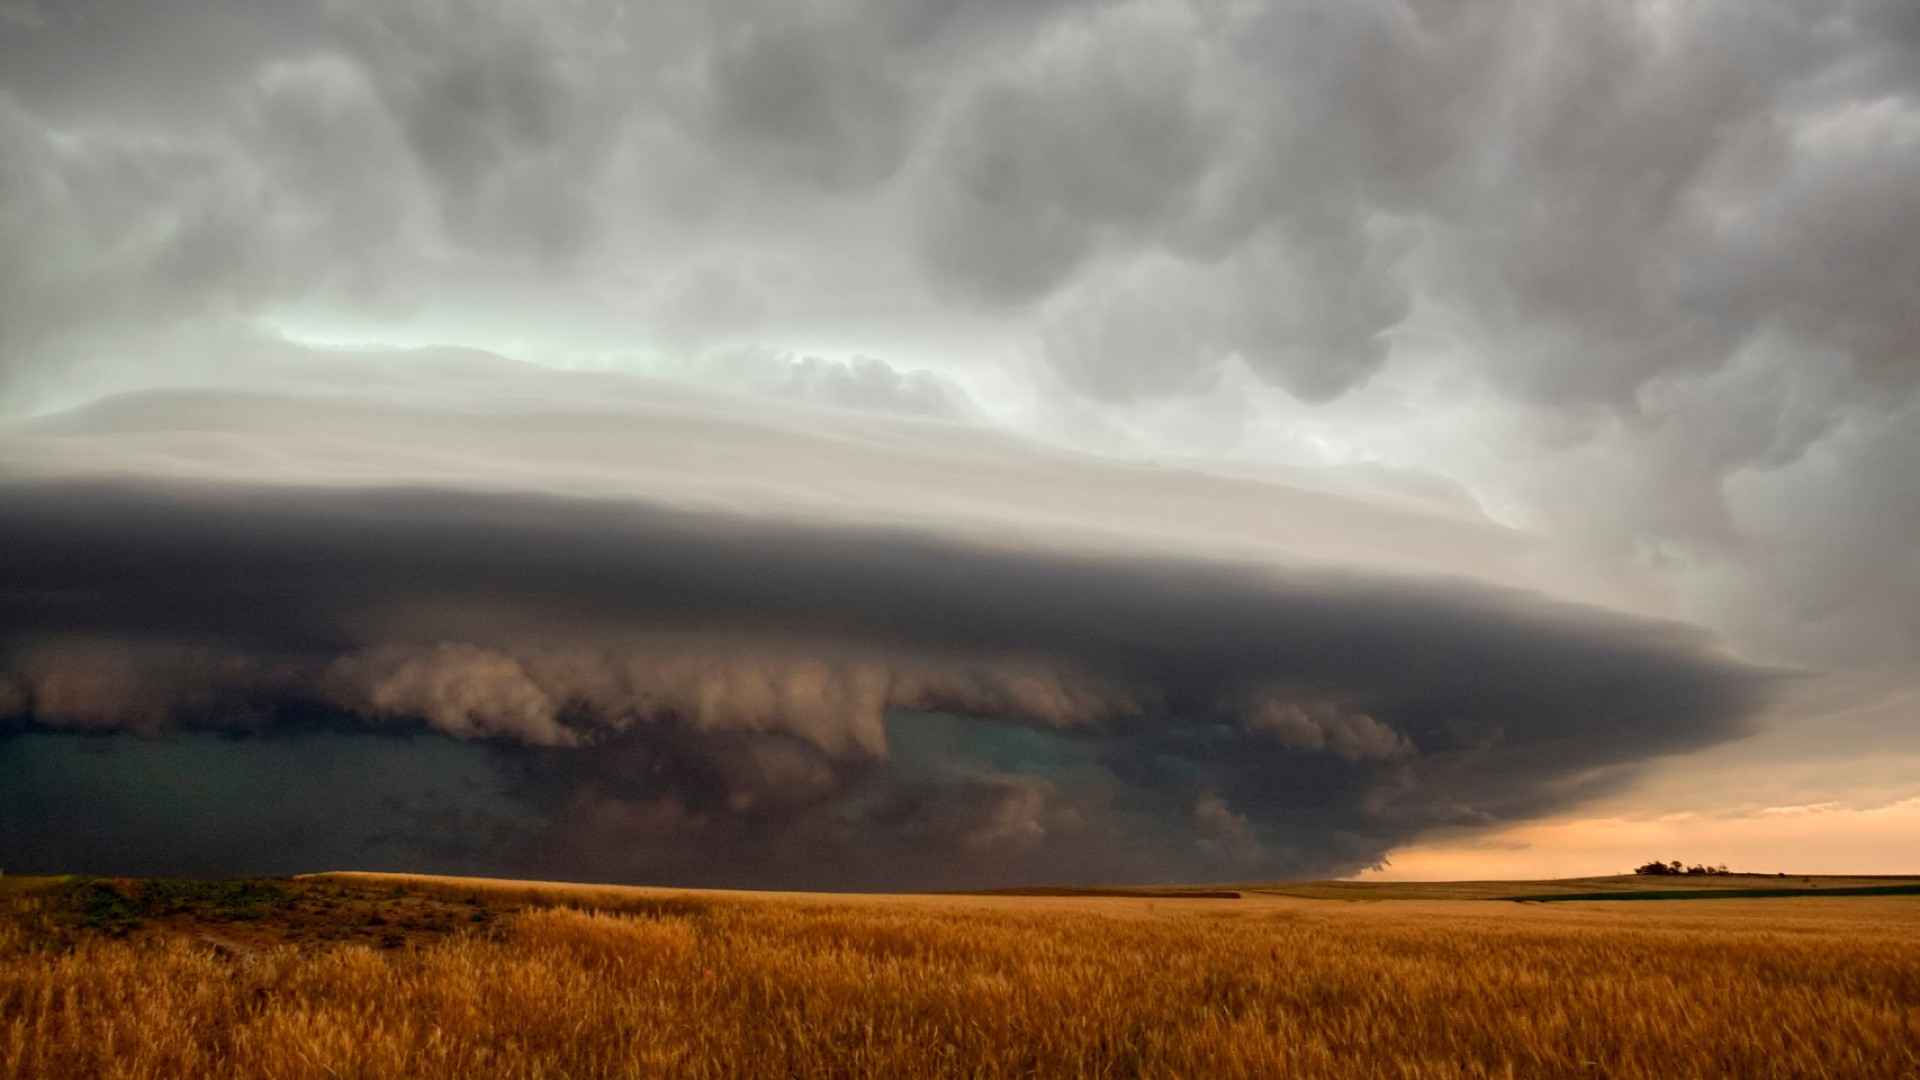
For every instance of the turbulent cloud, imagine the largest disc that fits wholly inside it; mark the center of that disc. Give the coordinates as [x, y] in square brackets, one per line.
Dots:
[1595, 196]
[791, 644]
[1638, 277]
[549, 697]
[1091, 126]
[1317, 726]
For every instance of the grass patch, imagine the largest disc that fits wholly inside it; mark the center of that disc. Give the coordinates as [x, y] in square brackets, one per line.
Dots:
[121, 904]
[1722, 894]
[404, 977]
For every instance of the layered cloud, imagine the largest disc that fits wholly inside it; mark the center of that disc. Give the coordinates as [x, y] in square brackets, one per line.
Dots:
[705, 693]
[1637, 278]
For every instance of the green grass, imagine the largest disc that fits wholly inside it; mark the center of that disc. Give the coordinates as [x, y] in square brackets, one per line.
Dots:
[1723, 894]
[125, 904]
[1617, 887]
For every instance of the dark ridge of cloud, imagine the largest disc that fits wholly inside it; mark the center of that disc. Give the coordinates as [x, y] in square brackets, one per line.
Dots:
[724, 700]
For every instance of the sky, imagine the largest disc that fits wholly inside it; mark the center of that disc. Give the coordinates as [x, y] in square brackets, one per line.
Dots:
[849, 444]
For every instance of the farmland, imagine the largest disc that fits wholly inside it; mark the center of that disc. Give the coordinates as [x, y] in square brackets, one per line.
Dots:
[379, 975]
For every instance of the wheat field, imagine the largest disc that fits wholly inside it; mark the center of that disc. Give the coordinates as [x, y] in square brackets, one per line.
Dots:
[364, 976]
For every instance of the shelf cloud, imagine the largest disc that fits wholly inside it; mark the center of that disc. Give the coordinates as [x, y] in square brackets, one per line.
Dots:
[708, 694]
[933, 442]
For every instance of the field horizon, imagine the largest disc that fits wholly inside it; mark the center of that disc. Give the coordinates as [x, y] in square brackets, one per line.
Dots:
[1035, 451]
[376, 974]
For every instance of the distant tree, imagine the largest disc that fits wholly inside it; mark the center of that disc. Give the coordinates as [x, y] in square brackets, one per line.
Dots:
[1676, 868]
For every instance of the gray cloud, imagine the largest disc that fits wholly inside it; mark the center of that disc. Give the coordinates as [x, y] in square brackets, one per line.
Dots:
[863, 382]
[812, 90]
[753, 704]
[467, 420]
[1090, 126]
[1641, 275]
[1600, 196]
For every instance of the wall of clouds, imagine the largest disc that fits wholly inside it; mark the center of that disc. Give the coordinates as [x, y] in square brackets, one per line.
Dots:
[1662, 259]
[736, 686]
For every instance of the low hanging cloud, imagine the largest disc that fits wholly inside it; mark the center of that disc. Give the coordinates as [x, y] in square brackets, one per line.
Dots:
[1317, 727]
[557, 697]
[676, 643]
[694, 691]
[1637, 276]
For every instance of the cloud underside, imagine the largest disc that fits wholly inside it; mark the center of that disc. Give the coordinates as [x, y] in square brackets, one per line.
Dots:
[1593, 197]
[1640, 277]
[663, 695]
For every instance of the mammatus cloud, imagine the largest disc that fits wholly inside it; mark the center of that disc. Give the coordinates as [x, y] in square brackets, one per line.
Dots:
[1595, 197]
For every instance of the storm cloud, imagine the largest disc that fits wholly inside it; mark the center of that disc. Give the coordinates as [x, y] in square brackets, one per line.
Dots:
[728, 680]
[944, 441]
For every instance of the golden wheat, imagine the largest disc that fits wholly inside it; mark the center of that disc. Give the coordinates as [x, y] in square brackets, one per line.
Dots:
[593, 983]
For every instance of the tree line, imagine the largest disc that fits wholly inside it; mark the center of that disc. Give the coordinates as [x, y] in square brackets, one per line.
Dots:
[1668, 869]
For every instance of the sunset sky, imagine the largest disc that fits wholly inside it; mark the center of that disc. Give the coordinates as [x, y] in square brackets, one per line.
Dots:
[934, 443]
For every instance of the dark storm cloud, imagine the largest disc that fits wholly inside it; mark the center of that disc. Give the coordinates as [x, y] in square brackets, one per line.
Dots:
[706, 698]
[1670, 252]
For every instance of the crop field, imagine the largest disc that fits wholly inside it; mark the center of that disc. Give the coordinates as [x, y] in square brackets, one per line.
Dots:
[384, 976]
